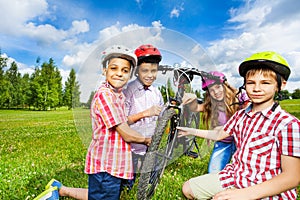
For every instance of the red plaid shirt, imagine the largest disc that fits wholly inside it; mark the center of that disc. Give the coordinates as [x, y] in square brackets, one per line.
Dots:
[261, 138]
[108, 152]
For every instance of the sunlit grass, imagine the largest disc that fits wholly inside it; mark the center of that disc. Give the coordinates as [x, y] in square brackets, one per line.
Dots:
[36, 146]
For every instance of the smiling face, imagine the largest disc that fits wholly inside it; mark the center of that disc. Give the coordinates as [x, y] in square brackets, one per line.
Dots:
[216, 91]
[261, 86]
[147, 73]
[117, 72]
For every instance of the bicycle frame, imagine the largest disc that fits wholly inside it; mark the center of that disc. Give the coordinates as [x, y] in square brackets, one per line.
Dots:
[184, 116]
[175, 114]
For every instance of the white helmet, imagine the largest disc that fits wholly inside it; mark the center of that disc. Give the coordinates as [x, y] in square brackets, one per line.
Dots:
[118, 51]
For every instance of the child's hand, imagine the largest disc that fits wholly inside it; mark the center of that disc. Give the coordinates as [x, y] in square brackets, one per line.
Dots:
[153, 111]
[184, 131]
[188, 98]
[231, 194]
[147, 141]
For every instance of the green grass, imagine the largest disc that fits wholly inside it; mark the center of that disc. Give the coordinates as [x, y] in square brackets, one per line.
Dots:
[36, 146]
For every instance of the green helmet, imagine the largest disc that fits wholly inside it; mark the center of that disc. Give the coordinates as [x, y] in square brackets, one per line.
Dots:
[269, 59]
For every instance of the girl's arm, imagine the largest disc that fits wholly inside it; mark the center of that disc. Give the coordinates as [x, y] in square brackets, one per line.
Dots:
[216, 134]
[191, 100]
[288, 179]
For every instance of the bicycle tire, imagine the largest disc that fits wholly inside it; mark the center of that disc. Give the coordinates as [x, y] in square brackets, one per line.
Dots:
[150, 173]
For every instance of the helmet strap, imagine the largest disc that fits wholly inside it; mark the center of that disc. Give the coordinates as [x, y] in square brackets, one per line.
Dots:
[279, 83]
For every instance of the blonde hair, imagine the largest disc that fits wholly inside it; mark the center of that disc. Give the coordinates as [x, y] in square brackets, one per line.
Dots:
[211, 106]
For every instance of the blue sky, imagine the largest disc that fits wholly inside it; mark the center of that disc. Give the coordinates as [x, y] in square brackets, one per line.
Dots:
[69, 31]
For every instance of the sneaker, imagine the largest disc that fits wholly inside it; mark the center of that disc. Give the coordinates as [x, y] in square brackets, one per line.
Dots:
[49, 194]
[53, 183]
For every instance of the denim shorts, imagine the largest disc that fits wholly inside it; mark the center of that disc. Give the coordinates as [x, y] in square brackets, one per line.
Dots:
[104, 186]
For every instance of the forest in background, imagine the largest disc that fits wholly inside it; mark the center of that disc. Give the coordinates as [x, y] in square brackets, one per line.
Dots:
[44, 90]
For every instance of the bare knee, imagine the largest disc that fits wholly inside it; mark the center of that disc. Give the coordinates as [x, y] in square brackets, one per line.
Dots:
[187, 191]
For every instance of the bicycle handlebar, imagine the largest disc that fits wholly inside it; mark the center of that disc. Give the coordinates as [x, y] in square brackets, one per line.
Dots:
[187, 71]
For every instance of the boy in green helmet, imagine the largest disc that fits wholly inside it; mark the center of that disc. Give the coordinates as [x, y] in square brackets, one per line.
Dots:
[266, 164]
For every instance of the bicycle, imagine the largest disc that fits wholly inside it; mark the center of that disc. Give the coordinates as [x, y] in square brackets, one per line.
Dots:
[161, 151]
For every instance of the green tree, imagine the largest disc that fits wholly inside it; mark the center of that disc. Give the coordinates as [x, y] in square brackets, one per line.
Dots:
[46, 86]
[71, 92]
[4, 90]
[89, 102]
[14, 86]
[25, 91]
[285, 94]
[296, 94]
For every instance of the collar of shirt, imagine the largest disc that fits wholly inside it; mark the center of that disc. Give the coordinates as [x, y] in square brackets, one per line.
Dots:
[143, 87]
[266, 112]
[106, 84]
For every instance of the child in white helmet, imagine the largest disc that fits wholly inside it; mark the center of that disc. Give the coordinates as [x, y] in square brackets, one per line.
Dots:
[109, 159]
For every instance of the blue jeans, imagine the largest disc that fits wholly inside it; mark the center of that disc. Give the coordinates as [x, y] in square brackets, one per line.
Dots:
[221, 156]
[104, 186]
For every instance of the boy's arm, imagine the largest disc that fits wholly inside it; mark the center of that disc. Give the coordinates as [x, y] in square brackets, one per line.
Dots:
[130, 135]
[152, 111]
[216, 134]
[288, 179]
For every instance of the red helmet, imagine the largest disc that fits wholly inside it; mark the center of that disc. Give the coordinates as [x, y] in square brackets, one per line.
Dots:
[147, 53]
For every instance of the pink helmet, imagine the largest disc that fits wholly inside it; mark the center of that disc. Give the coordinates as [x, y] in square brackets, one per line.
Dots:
[215, 78]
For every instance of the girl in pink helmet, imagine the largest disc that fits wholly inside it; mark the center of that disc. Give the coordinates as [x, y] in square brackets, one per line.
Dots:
[218, 106]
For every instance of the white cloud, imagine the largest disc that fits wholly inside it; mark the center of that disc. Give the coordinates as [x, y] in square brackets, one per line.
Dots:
[254, 29]
[176, 11]
[82, 51]
[79, 27]
[44, 34]
[18, 13]
[29, 20]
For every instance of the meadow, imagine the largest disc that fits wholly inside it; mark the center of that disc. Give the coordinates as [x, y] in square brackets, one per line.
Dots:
[37, 146]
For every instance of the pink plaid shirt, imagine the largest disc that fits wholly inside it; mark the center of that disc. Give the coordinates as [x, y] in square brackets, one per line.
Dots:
[261, 138]
[108, 152]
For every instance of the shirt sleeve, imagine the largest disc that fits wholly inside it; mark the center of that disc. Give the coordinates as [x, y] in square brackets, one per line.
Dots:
[289, 139]
[128, 100]
[109, 109]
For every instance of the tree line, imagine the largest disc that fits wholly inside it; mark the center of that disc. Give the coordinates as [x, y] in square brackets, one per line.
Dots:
[41, 90]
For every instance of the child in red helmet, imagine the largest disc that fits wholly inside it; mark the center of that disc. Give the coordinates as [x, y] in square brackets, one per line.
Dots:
[266, 164]
[143, 100]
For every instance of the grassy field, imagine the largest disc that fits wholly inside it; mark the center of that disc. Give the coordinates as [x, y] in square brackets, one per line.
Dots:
[39, 145]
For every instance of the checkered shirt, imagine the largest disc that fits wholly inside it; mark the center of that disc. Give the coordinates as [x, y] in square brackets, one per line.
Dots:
[108, 151]
[261, 138]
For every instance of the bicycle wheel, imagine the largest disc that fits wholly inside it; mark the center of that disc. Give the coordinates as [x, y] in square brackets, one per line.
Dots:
[155, 159]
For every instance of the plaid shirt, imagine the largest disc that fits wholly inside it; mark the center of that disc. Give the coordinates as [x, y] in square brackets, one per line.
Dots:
[108, 152]
[137, 100]
[261, 138]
